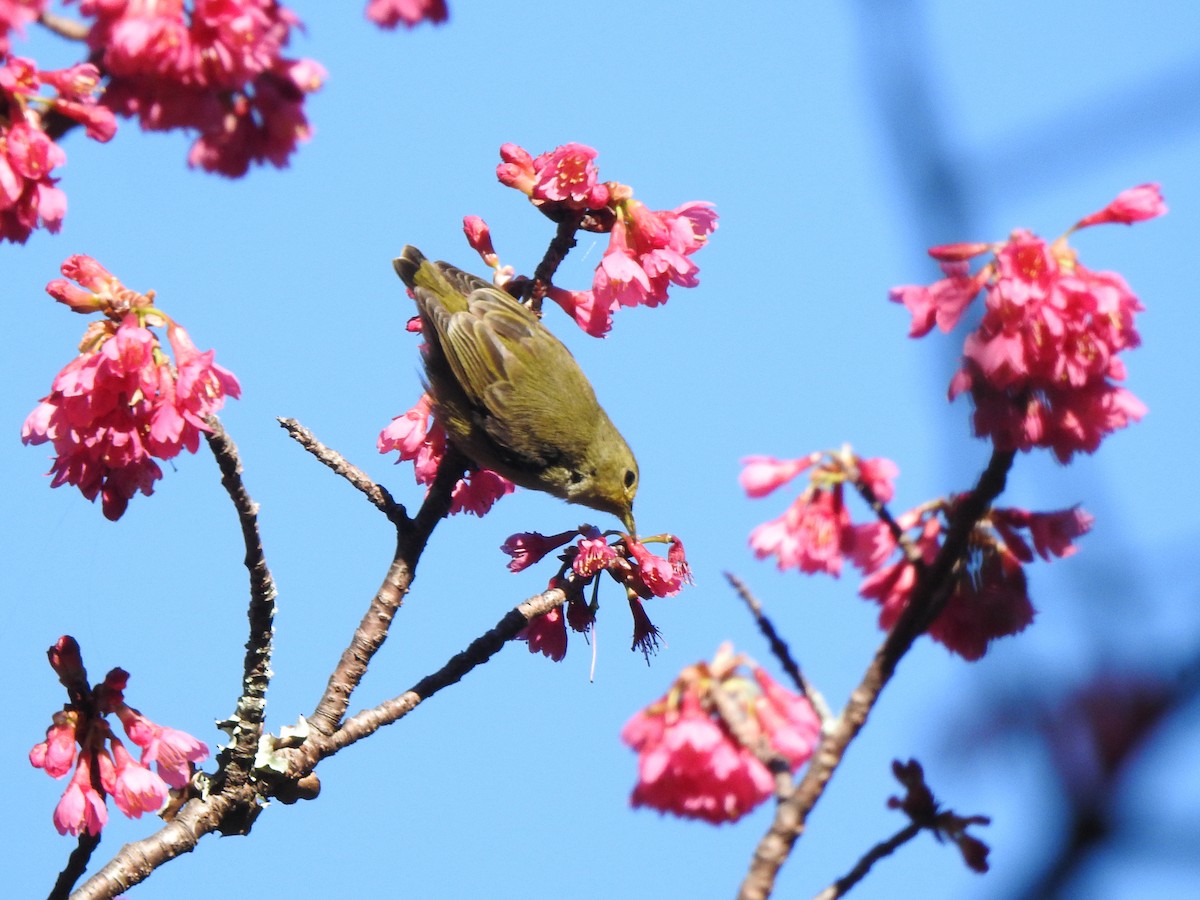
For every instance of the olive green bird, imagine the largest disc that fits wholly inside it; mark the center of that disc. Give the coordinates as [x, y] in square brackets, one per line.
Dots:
[509, 394]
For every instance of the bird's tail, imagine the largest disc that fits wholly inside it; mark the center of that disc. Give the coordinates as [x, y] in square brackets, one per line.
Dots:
[449, 284]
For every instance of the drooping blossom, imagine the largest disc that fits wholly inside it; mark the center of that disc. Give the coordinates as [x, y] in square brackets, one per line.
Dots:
[643, 574]
[217, 68]
[390, 13]
[990, 598]
[528, 547]
[763, 474]
[419, 438]
[1136, 204]
[81, 807]
[135, 788]
[29, 195]
[173, 752]
[121, 404]
[648, 251]
[1043, 366]
[694, 763]
[656, 575]
[547, 634]
[815, 533]
[479, 236]
[80, 736]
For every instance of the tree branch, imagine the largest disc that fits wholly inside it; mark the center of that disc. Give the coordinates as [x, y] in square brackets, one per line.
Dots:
[244, 726]
[480, 651]
[376, 493]
[885, 848]
[781, 650]
[934, 586]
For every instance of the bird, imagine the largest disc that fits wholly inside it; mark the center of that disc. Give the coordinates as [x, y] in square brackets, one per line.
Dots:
[510, 395]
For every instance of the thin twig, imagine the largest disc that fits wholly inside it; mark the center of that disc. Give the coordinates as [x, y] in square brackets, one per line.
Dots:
[907, 547]
[480, 650]
[781, 650]
[935, 583]
[71, 29]
[376, 493]
[77, 864]
[411, 538]
[543, 275]
[885, 848]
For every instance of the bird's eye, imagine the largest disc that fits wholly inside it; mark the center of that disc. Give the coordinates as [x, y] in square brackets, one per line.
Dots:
[630, 478]
[576, 477]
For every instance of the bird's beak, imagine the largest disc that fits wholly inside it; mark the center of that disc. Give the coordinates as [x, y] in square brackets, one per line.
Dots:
[627, 521]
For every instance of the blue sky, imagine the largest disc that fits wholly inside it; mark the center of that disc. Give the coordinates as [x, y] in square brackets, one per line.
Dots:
[514, 783]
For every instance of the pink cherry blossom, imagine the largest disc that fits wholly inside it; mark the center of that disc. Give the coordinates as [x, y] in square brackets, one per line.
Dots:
[595, 554]
[879, 474]
[135, 789]
[15, 15]
[990, 597]
[991, 601]
[648, 250]
[81, 808]
[102, 764]
[172, 751]
[792, 725]
[1135, 204]
[763, 474]
[812, 535]
[691, 765]
[529, 547]
[56, 754]
[547, 634]
[594, 318]
[120, 404]
[219, 70]
[477, 492]
[390, 13]
[420, 438]
[479, 236]
[28, 155]
[1043, 366]
[655, 573]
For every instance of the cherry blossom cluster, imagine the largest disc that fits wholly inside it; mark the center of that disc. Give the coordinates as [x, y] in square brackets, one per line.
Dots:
[815, 533]
[648, 251]
[626, 560]
[29, 195]
[121, 404]
[704, 747]
[990, 597]
[420, 439]
[216, 66]
[390, 13]
[81, 737]
[1042, 366]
